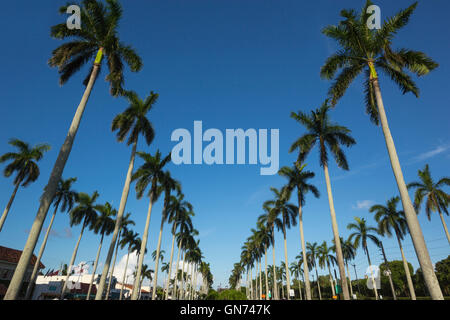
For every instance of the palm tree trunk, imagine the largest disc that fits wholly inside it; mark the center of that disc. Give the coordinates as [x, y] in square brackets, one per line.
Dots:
[170, 266]
[72, 260]
[158, 248]
[305, 261]
[124, 274]
[299, 288]
[38, 260]
[251, 285]
[95, 268]
[318, 284]
[174, 290]
[265, 272]
[331, 280]
[117, 227]
[371, 275]
[8, 206]
[113, 266]
[411, 217]
[260, 279]
[50, 189]
[275, 289]
[182, 277]
[288, 279]
[349, 281]
[337, 241]
[134, 296]
[408, 274]
[443, 224]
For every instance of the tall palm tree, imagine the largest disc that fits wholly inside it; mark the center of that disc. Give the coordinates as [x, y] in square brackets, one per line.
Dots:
[390, 219]
[265, 234]
[168, 184]
[364, 51]
[126, 221]
[349, 253]
[436, 198]
[326, 259]
[180, 212]
[133, 122]
[296, 271]
[362, 233]
[299, 179]
[130, 240]
[328, 136]
[24, 164]
[301, 263]
[150, 173]
[269, 219]
[287, 211]
[66, 197]
[103, 225]
[97, 37]
[313, 253]
[85, 213]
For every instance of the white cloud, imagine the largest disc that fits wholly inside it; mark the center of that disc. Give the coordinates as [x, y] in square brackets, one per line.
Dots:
[363, 204]
[429, 154]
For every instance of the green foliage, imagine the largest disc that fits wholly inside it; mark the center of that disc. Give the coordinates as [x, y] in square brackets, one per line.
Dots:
[443, 275]
[398, 276]
[231, 294]
[212, 295]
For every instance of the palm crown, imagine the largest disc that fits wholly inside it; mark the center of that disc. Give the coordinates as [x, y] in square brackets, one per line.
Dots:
[389, 218]
[99, 24]
[86, 210]
[362, 233]
[362, 50]
[298, 178]
[65, 195]
[436, 198]
[323, 132]
[23, 162]
[133, 120]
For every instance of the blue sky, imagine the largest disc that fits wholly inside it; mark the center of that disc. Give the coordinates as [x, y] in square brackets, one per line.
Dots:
[230, 64]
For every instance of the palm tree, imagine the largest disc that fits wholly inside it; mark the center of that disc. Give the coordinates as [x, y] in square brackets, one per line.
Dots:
[326, 259]
[85, 213]
[130, 240]
[179, 212]
[97, 37]
[324, 133]
[133, 122]
[150, 173]
[313, 253]
[296, 272]
[287, 211]
[363, 51]
[103, 225]
[24, 164]
[65, 196]
[299, 179]
[269, 219]
[146, 272]
[362, 234]
[126, 221]
[168, 184]
[349, 253]
[266, 237]
[437, 199]
[389, 219]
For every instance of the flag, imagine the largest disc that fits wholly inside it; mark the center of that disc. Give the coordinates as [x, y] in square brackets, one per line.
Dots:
[54, 273]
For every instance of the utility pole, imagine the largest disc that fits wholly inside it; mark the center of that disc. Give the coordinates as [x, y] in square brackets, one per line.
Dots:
[388, 271]
[356, 275]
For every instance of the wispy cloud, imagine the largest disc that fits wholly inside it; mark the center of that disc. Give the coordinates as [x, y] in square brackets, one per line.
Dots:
[431, 153]
[363, 204]
[65, 234]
